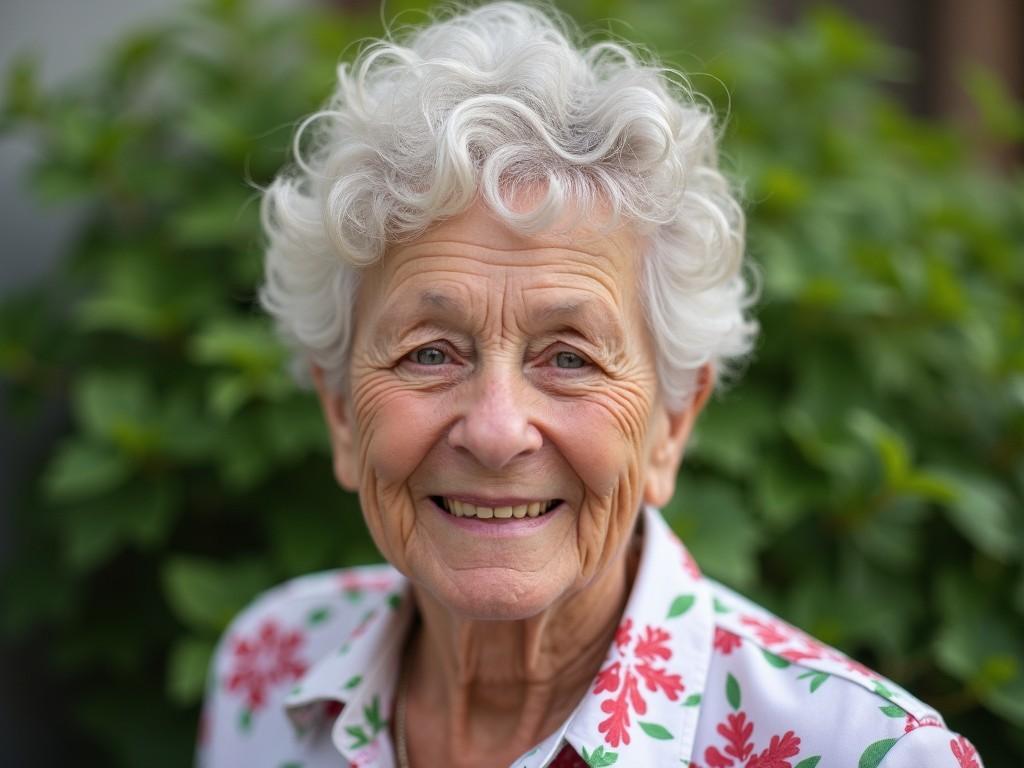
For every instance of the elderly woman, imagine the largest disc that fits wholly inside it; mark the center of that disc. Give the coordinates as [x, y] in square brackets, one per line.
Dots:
[513, 272]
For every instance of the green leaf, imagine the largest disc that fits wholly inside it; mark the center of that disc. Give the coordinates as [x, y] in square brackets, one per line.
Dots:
[206, 594]
[352, 682]
[83, 469]
[810, 762]
[119, 408]
[979, 509]
[318, 616]
[140, 512]
[681, 605]
[359, 737]
[372, 714]
[713, 520]
[599, 758]
[775, 661]
[817, 678]
[656, 731]
[892, 710]
[692, 700]
[732, 691]
[874, 754]
[187, 669]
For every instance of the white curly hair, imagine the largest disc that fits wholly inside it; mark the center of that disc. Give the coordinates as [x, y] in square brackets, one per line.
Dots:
[487, 101]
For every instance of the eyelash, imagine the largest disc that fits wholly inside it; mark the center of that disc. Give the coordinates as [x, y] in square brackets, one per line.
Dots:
[445, 350]
[442, 347]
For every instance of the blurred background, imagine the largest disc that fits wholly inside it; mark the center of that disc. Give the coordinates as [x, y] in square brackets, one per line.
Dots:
[864, 477]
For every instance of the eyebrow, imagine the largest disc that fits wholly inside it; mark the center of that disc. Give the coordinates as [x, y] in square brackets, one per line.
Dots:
[435, 300]
[593, 312]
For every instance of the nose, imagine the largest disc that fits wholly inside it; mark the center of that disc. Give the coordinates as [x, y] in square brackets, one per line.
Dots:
[495, 425]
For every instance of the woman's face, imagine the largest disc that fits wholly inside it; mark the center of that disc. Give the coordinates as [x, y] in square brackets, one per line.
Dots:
[499, 370]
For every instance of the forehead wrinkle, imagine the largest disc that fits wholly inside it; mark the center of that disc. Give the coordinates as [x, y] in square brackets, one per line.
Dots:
[406, 307]
[594, 317]
[462, 249]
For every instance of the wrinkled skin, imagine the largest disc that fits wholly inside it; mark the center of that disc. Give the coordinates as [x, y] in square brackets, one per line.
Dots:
[460, 385]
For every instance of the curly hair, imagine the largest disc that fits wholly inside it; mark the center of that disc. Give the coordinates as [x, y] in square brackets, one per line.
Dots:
[486, 102]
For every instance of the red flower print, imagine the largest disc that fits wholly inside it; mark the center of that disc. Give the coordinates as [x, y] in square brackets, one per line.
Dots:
[738, 746]
[608, 678]
[623, 675]
[769, 632]
[264, 660]
[778, 750]
[737, 732]
[964, 752]
[913, 723]
[798, 646]
[352, 581]
[725, 641]
[622, 634]
[716, 759]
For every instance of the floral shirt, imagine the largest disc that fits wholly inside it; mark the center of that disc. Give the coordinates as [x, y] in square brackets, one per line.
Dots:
[696, 676]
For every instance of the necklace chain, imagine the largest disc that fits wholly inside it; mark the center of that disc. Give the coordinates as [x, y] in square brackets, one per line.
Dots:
[402, 747]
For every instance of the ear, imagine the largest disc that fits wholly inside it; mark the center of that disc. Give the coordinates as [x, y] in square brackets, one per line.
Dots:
[670, 434]
[338, 416]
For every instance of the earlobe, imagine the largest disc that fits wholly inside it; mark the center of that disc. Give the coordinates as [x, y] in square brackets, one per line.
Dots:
[337, 416]
[671, 435]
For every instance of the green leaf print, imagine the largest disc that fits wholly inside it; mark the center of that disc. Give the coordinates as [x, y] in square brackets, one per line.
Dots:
[372, 714]
[732, 691]
[360, 739]
[656, 731]
[318, 616]
[720, 607]
[599, 758]
[874, 753]
[817, 678]
[353, 682]
[245, 720]
[892, 710]
[681, 605]
[775, 661]
[394, 601]
[692, 700]
[810, 762]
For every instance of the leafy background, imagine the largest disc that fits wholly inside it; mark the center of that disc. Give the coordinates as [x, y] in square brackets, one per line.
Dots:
[864, 477]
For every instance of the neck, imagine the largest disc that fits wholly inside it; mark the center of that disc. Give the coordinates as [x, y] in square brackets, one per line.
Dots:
[483, 692]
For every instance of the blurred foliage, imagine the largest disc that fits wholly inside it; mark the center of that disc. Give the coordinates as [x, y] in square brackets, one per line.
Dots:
[864, 479]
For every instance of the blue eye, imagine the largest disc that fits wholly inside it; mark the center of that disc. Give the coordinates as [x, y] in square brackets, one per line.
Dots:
[568, 360]
[429, 356]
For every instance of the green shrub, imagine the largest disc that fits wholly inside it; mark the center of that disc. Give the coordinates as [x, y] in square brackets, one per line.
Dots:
[864, 478]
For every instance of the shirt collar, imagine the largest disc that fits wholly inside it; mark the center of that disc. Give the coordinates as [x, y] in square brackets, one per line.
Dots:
[643, 705]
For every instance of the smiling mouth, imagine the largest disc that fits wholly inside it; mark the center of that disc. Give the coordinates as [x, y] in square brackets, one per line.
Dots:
[463, 509]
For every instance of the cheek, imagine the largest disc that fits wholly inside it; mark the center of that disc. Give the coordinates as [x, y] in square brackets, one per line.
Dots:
[605, 438]
[397, 428]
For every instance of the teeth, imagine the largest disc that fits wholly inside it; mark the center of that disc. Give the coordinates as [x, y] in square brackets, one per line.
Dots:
[462, 509]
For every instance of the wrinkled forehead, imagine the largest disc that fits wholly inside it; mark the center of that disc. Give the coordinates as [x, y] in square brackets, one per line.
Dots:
[478, 247]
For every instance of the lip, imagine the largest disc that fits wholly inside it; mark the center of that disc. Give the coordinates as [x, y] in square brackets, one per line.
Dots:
[501, 501]
[505, 528]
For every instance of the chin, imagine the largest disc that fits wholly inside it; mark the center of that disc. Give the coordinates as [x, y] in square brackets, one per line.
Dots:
[494, 598]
